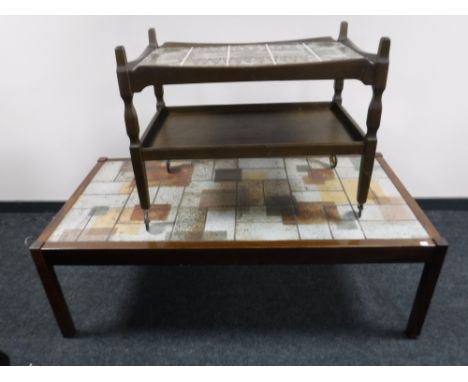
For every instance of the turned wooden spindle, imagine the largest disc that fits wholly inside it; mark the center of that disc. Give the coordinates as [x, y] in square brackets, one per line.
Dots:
[339, 83]
[373, 121]
[158, 89]
[133, 129]
[130, 115]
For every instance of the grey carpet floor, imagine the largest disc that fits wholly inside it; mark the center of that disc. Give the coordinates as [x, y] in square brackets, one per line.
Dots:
[285, 315]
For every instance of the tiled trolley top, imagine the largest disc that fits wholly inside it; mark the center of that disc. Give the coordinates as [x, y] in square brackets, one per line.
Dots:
[241, 200]
[250, 54]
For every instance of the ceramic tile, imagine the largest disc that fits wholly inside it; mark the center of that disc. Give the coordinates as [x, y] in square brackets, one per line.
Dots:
[337, 197]
[225, 164]
[269, 199]
[137, 232]
[169, 195]
[110, 201]
[296, 168]
[72, 224]
[256, 163]
[314, 231]
[258, 215]
[220, 224]
[102, 188]
[228, 174]
[215, 198]
[199, 186]
[393, 229]
[108, 172]
[202, 170]
[277, 192]
[189, 224]
[266, 231]
[274, 53]
[133, 200]
[264, 174]
[346, 230]
[250, 193]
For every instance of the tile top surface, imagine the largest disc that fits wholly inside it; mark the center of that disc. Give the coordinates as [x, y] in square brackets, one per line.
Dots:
[260, 199]
[250, 54]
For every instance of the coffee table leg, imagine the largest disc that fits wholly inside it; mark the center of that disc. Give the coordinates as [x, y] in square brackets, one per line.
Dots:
[424, 294]
[54, 294]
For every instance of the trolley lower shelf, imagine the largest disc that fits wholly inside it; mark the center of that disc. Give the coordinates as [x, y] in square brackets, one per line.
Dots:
[259, 130]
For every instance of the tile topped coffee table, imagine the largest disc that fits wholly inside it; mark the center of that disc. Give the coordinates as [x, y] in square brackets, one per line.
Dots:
[240, 211]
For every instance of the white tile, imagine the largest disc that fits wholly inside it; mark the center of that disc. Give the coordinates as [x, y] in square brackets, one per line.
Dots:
[307, 196]
[137, 232]
[346, 230]
[108, 172]
[314, 231]
[91, 201]
[370, 212]
[393, 230]
[99, 188]
[266, 231]
[349, 161]
[225, 163]
[250, 163]
[291, 167]
[387, 186]
[169, 195]
[202, 169]
[221, 220]
[347, 172]
[345, 212]
[298, 185]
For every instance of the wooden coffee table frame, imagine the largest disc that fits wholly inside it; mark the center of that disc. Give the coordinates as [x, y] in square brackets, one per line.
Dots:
[431, 252]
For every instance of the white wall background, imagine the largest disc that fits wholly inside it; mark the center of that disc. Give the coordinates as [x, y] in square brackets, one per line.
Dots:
[60, 108]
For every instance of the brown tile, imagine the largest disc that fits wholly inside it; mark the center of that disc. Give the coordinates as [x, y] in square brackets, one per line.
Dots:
[331, 211]
[156, 212]
[306, 213]
[277, 192]
[216, 198]
[180, 175]
[319, 176]
[250, 193]
[231, 174]
[95, 234]
[187, 235]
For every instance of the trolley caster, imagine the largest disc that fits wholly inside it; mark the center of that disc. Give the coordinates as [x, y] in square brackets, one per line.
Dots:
[168, 166]
[333, 161]
[147, 219]
[360, 208]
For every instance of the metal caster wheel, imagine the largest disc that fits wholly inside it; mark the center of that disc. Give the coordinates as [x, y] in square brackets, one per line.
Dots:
[360, 208]
[168, 166]
[333, 161]
[147, 220]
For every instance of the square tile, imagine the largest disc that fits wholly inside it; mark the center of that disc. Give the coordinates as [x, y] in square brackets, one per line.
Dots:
[250, 193]
[266, 231]
[234, 174]
[220, 224]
